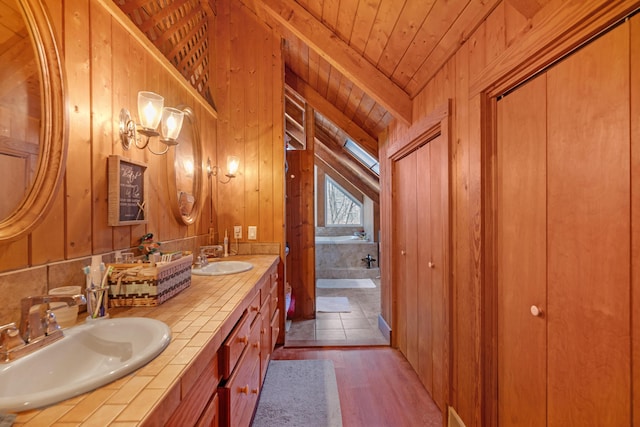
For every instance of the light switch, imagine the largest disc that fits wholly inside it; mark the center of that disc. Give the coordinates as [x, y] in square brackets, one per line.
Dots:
[252, 232]
[237, 232]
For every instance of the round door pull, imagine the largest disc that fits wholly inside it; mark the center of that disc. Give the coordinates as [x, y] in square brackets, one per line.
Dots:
[431, 265]
[535, 311]
[402, 252]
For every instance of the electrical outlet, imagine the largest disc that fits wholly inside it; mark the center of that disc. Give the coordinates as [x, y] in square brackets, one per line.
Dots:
[237, 232]
[252, 232]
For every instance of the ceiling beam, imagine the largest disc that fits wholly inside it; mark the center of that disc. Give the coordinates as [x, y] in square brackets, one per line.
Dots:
[340, 55]
[328, 110]
[367, 186]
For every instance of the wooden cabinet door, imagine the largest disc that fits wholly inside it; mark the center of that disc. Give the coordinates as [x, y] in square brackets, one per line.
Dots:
[563, 242]
[405, 257]
[522, 257]
[421, 203]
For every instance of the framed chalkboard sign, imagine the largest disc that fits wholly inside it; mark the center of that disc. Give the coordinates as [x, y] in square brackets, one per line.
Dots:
[127, 191]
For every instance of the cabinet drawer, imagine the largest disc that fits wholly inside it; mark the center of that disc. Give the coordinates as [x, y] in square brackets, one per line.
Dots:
[275, 328]
[239, 396]
[265, 344]
[234, 345]
[210, 416]
[274, 298]
[265, 287]
[254, 308]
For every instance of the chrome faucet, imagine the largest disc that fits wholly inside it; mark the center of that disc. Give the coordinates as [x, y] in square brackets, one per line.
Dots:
[35, 325]
[206, 251]
[36, 329]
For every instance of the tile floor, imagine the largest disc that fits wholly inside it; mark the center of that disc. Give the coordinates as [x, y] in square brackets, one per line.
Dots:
[357, 328]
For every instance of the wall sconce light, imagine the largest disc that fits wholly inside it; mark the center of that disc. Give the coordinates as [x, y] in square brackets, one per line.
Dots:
[151, 112]
[232, 168]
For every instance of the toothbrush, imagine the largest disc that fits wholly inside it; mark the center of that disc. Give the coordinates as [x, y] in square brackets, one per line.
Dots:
[99, 308]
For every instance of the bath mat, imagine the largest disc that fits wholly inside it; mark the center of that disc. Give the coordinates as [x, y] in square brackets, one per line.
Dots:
[333, 304]
[345, 283]
[299, 393]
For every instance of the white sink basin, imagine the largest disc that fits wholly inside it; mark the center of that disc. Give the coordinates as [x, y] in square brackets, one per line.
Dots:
[89, 356]
[219, 268]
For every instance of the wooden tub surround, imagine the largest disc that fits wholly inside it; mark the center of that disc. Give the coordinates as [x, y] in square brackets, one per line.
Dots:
[224, 329]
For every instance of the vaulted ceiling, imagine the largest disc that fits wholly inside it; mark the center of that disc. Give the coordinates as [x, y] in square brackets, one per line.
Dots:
[357, 63]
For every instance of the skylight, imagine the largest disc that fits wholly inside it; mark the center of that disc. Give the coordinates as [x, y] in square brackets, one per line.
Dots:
[362, 156]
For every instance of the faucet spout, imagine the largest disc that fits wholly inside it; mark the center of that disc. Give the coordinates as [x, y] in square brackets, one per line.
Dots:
[33, 325]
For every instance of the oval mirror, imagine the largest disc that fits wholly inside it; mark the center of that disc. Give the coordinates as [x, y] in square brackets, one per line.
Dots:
[33, 125]
[184, 165]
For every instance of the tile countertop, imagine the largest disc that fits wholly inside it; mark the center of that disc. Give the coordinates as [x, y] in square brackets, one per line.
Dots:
[200, 317]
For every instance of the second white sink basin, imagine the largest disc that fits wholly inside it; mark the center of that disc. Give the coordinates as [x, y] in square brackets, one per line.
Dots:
[89, 356]
[219, 268]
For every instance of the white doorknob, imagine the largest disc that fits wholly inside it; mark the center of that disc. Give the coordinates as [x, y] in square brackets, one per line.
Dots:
[535, 311]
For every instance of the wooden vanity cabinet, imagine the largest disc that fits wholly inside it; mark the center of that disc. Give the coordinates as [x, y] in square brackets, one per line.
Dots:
[245, 354]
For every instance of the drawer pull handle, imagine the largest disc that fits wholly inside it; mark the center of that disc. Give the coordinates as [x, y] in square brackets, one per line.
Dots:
[254, 308]
[256, 344]
[263, 331]
[244, 390]
[243, 340]
[254, 390]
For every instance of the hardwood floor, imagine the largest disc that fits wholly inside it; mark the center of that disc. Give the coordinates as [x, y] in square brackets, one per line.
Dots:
[377, 386]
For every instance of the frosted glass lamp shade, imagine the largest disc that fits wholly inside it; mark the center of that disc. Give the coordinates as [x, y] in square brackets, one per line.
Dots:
[171, 123]
[232, 165]
[150, 109]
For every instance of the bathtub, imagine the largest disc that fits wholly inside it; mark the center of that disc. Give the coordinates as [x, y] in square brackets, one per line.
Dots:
[339, 239]
[340, 257]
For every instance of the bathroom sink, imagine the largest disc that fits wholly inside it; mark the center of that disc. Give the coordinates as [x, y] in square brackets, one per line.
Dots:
[89, 356]
[219, 268]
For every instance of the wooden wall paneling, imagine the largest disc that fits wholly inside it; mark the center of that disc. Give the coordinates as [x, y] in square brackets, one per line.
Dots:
[522, 226]
[47, 239]
[269, 169]
[635, 214]
[252, 125]
[589, 234]
[121, 99]
[77, 181]
[462, 371]
[231, 211]
[158, 215]
[495, 34]
[223, 103]
[308, 246]
[137, 81]
[346, 19]
[101, 128]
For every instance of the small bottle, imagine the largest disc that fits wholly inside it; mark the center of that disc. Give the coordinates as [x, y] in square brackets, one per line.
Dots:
[226, 243]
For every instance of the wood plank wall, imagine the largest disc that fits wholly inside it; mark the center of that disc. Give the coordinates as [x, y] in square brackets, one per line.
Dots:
[505, 49]
[105, 68]
[106, 64]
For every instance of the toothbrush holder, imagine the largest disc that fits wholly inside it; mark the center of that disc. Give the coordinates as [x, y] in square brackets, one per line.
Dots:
[97, 302]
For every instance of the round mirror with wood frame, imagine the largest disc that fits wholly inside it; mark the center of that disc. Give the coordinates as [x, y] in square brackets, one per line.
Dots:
[184, 166]
[52, 141]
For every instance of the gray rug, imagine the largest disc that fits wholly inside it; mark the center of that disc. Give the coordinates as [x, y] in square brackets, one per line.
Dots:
[299, 393]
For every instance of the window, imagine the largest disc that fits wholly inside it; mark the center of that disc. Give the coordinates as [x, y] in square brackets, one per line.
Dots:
[362, 156]
[340, 207]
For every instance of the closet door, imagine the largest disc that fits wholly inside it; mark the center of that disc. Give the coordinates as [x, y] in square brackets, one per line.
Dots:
[563, 242]
[421, 212]
[589, 235]
[405, 257]
[522, 266]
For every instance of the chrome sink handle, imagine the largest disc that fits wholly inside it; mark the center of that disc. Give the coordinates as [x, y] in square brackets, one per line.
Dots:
[10, 339]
